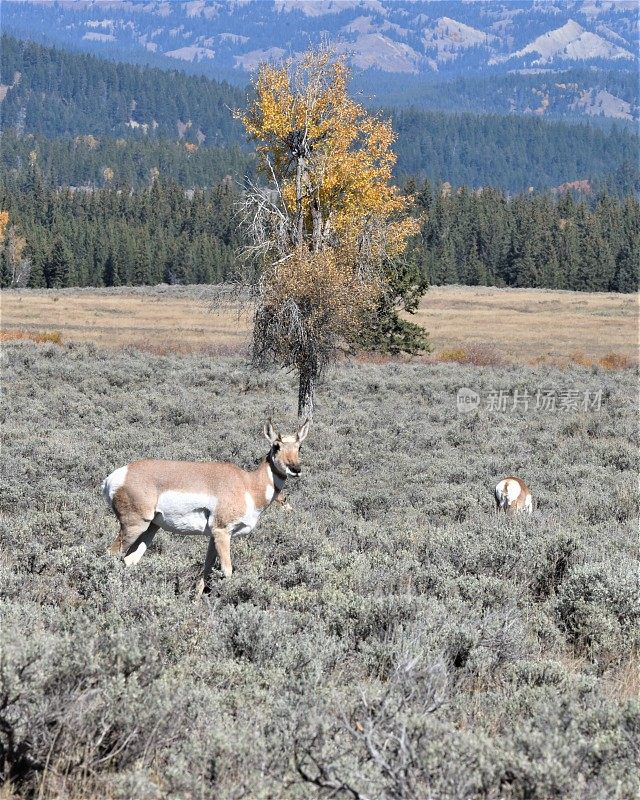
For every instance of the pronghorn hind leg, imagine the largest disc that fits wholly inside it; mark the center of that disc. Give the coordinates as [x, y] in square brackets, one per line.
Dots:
[133, 540]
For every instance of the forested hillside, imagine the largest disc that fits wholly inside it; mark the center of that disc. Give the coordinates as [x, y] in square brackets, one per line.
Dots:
[154, 198]
[164, 234]
[68, 95]
[600, 96]
[90, 161]
[510, 151]
[57, 93]
[485, 238]
[110, 237]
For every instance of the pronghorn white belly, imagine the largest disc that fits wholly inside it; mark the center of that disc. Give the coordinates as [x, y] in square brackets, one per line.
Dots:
[185, 512]
[248, 521]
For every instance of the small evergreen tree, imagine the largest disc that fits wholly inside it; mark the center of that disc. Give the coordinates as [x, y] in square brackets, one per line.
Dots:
[111, 276]
[58, 267]
[627, 274]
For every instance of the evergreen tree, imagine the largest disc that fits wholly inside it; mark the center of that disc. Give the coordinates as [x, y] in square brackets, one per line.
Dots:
[161, 232]
[141, 268]
[58, 267]
[597, 266]
[111, 275]
[627, 276]
[475, 273]
[385, 330]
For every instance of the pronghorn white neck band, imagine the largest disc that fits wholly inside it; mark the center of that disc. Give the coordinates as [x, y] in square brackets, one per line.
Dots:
[279, 478]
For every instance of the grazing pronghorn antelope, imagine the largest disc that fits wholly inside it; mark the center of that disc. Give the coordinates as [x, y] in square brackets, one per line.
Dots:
[212, 498]
[513, 494]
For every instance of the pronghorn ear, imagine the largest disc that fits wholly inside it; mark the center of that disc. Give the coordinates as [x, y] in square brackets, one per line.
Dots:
[269, 432]
[304, 430]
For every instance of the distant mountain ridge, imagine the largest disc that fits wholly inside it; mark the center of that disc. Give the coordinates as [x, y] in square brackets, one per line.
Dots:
[421, 38]
[570, 42]
[89, 120]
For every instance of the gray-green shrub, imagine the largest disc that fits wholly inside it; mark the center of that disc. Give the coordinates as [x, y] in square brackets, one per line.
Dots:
[392, 638]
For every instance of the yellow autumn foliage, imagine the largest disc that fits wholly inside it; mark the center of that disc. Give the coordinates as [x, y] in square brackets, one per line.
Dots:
[4, 221]
[349, 160]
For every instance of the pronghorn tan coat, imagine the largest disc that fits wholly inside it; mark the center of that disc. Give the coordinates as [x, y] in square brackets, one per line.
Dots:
[512, 495]
[212, 498]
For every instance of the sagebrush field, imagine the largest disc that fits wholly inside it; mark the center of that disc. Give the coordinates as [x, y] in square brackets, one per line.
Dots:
[390, 638]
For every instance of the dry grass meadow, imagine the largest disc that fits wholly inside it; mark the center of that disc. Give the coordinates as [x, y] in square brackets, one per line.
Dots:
[529, 325]
[522, 326]
[160, 320]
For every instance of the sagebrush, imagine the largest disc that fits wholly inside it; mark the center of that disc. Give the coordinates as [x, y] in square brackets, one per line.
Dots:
[390, 638]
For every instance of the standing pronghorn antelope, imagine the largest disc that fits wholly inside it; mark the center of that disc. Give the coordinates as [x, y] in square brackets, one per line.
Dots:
[212, 498]
[513, 494]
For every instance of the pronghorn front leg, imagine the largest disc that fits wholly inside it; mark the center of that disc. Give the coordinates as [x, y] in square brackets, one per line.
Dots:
[220, 546]
[208, 568]
[222, 541]
[282, 501]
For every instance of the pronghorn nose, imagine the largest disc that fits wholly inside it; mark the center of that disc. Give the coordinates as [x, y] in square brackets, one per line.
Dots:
[296, 468]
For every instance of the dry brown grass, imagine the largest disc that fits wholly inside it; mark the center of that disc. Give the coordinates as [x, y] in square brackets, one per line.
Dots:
[160, 323]
[624, 683]
[532, 325]
[46, 337]
[615, 361]
[471, 325]
[477, 354]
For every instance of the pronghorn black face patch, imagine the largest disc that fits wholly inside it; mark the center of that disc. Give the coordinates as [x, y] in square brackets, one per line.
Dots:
[285, 450]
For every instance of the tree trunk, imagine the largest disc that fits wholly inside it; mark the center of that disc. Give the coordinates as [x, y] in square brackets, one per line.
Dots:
[306, 392]
[299, 209]
[317, 225]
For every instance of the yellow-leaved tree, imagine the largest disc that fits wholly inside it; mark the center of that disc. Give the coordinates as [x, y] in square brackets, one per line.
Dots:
[15, 268]
[327, 223]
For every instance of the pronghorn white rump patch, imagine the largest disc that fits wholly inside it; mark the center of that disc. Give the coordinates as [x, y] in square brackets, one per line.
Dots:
[112, 483]
[185, 512]
[507, 492]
